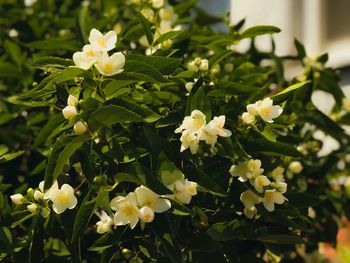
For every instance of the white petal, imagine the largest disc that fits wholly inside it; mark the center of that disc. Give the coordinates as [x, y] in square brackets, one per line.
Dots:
[162, 205]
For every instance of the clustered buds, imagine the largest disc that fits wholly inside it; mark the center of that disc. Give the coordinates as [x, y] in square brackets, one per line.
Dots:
[263, 108]
[198, 64]
[96, 53]
[269, 189]
[194, 129]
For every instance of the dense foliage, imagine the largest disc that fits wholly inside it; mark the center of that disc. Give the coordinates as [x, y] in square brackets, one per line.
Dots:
[157, 141]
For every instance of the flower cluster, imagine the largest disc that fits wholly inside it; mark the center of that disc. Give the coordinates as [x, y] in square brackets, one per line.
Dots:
[70, 111]
[263, 108]
[96, 53]
[182, 188]
[194, 129]
[139, 205]
[143, 203]
[269, 189]
[62, 199]
[198, 64]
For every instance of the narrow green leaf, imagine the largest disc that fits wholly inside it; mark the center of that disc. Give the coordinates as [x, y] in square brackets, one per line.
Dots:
[285, 93]
[147, 27]
[10, 156]
[259, 30]
[168, 35]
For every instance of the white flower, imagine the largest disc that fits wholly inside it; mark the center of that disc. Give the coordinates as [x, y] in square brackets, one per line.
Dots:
[157, 3]
[32, 208]
[260, 182]
[267, 111]
[148, 198]
[126, 209]
[63, 198]
[193, 123]
[277, 174]
[102, 42]
[45, 194]
[295, 167]
[249, 199]
[13, 33]
[17, 199]
[253, 108]
[216, 127]
[109, 66]
[87, 57]
[209, 138]
[254, 168]
[69, 112]
[80, 127]
[271, 198]
[183, 190]
[189, 86]
[189, 140]
[105, 223]
[146, 214]
[239, 170]
[168, 14]
[72, 101]
[248, 118]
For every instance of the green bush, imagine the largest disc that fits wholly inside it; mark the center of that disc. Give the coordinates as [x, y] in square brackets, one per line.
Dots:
[158, 141]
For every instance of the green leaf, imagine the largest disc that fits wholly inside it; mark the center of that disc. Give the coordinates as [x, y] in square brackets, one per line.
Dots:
[116, 88]
[219, 57]
[142, 71]
[51, 62]
[49, 127]
[10, 156]
[168, 35]
[200, 102]
[232, 88]
[84, 215]
[54, 44]
[112, 114]
[147, 27]
[302, 200]
[285, 93]
[224, 231]
[300, 49]
[259, 30]
[164, 65]
[282, 239]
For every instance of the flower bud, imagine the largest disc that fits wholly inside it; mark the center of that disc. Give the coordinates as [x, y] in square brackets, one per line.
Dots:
[72, 101]
[146, 214]
[80, 127]
[197, 61]
[189, 86]
[192, 66]
[248, 118]
[204, 65]
[228, 67]
[295, 167]
[69, 112]
[32, 208]
[17, 199]
[38, 195]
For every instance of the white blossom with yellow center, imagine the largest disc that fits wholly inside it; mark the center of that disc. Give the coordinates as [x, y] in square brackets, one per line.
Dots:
[239, 170]
[63, 198]
[168, 14]
[41, 194]
[126, 209]
[193, 123]
[146, 197]
[267, 111]
[100, 42]
[216, 127]
[271, 198]
[86, 58]
[254, 168]
[111, 65]
[260, 182]
[183, 190]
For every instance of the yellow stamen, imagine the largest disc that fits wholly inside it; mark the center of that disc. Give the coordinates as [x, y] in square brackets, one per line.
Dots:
[128, 210]
[108, 67]
[102, 42]
[63, 198]
[90, 53]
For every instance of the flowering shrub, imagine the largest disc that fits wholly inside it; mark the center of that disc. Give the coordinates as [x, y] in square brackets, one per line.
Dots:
[175, 148]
